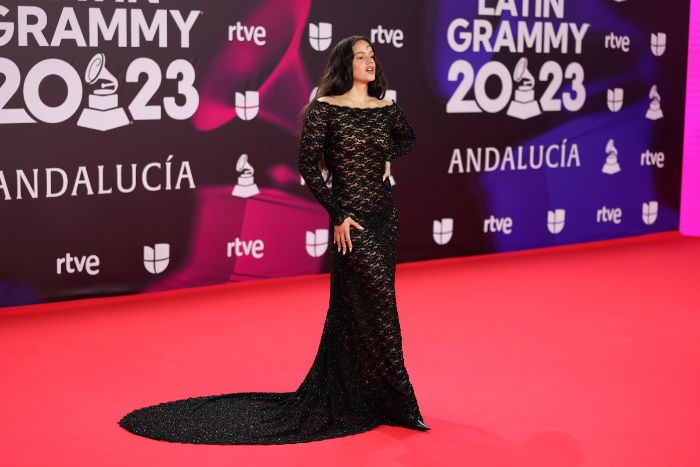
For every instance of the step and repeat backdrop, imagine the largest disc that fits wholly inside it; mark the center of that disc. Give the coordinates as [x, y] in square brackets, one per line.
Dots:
[689, 223]
[152, 145]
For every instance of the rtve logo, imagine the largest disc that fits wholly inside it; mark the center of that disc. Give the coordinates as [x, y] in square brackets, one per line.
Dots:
[498, 224]
[76, 264]
[380, 35]
[614, 42]
[649, 159]
[242, 33]
[605, 215]
[316, 242]
[242, 248]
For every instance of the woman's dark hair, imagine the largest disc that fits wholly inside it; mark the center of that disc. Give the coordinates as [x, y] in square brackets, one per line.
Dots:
[337, 77]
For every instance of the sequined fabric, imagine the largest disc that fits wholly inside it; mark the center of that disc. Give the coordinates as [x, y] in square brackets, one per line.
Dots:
[357, 380]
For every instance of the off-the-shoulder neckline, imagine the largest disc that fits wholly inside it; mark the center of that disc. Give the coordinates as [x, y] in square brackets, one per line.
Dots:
[356, 108]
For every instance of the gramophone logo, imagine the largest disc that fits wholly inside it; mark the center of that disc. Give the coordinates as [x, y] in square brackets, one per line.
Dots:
[245, 186]
[611, 166]
[320, 35]
[654, 112]
[555, 220]
[442, 230]
[103, 112]
[658, 43]
[247, 104]
[316, 242]
[616, 97]
[524, 105]
[156, 258]
[650, 212]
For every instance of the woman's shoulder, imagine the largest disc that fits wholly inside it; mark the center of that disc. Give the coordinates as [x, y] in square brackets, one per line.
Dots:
[340, 102]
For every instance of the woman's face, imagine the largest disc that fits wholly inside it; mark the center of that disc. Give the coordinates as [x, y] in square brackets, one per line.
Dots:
[363, 68]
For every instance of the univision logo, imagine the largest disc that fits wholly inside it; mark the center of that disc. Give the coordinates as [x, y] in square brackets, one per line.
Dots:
[316, 242]
[442, 230]
[156, 258]
[658, 43]
[616, 97]
[320, 35]
[247, 104]
[650, 211]
[555, 220]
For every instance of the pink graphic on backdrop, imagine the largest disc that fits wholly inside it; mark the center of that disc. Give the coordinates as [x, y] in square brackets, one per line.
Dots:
[690, 185]
[239, 63]
[239, 239]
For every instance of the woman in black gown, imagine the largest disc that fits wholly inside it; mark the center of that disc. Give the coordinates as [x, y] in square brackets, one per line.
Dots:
[358, 379]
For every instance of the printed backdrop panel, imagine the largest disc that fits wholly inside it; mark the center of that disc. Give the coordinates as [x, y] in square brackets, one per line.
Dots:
[689, 223]
[152, 145]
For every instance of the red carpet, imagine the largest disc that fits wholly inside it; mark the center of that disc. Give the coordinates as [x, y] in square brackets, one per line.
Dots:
[584, 355]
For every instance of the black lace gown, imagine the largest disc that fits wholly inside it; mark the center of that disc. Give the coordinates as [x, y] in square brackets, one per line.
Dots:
[358, 379]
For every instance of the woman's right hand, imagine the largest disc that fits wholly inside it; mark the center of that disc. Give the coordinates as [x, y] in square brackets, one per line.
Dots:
[341, 233]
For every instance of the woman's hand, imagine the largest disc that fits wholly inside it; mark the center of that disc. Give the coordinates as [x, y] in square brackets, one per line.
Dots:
[387, 171]
[341, 233]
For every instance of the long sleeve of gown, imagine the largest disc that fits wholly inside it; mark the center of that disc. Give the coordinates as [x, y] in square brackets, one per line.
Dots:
[403, 135]
[311, 146]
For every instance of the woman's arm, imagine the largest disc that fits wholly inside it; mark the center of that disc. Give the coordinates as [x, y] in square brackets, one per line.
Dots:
[403, 135]
[311, 143]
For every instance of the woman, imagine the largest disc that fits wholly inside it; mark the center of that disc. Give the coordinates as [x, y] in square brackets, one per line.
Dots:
[358, 379]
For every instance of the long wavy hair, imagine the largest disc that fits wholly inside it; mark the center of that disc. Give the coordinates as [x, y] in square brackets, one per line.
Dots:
[337, 80]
